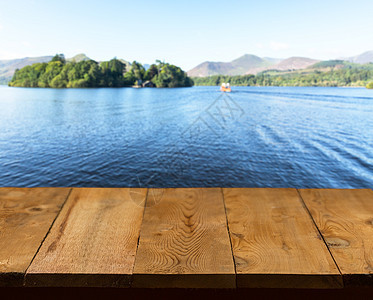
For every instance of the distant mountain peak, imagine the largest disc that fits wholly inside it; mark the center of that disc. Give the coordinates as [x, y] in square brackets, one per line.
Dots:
[250, 64]
[78, 58]
[238, 66]
[294, 63]
[363, 58]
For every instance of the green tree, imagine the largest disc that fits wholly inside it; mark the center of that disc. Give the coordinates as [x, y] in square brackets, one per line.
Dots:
[171, 76]
[52, 70]
[59, 57]
[112, 73]
[151, 72]
[138, 71]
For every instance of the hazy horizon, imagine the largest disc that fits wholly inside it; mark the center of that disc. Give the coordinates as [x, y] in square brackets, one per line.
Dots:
[185, 34]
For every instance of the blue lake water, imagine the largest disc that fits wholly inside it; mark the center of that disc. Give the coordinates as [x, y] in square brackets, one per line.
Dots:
[187, 137]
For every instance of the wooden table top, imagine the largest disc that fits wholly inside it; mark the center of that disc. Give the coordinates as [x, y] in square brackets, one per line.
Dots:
[186, 238]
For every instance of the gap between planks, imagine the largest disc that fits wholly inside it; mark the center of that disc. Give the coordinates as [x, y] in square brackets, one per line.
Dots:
[26, 215]
[50, 227]
[275, 241]
[93, 241]
[345, 219]
[318, 229]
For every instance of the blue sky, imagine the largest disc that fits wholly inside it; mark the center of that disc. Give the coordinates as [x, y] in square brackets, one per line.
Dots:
[185, 33]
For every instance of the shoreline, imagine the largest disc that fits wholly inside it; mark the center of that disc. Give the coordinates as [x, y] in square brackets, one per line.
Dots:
[138, 87]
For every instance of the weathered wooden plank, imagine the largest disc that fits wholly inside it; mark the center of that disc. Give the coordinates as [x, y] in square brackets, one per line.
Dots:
[184, 242]
[26, 215]
[345, 219]
[275, 242]
[93, 241]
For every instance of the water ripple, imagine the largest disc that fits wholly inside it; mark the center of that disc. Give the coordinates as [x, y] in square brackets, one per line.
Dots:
[283, 137]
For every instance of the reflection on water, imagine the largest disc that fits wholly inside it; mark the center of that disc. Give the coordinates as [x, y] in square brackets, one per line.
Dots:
[187, 137]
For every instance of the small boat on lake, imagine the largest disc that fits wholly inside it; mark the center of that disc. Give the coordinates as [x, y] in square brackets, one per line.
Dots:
[225, 87]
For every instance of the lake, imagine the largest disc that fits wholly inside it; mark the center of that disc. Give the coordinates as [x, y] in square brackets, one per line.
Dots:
[187, 137]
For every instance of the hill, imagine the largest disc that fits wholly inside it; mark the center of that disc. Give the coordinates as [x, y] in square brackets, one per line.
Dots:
[328, 64]
[78, 58]
[327, 73]
[294, 63]
[242, 65]
[209, 68]
[252, 64]
[364, 58]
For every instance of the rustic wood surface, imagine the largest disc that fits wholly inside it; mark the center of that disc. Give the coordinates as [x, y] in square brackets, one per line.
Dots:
[93, 241]
[184, 242]
[345, 219]
[122, 237]
[275, 243]
[26, 215]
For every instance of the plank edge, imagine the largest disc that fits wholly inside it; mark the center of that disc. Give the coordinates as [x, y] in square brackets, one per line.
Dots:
[358, 280]
[11, 279]
[77, 280]
[215, 281]
[293, 281]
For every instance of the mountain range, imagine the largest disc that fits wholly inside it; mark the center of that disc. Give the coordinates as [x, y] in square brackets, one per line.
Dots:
[239, 66]
[252, 64]
[246, 64]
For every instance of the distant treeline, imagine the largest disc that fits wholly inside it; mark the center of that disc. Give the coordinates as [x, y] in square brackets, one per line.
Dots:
[84, 74]
[356, 75]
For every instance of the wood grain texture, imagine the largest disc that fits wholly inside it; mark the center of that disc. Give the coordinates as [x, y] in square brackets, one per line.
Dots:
[93, 241]
[345, 219]
[184, 242]
[26, 215]
[275, 242]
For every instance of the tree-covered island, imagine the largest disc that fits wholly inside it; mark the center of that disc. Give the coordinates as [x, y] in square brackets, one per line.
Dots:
[58, 73]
